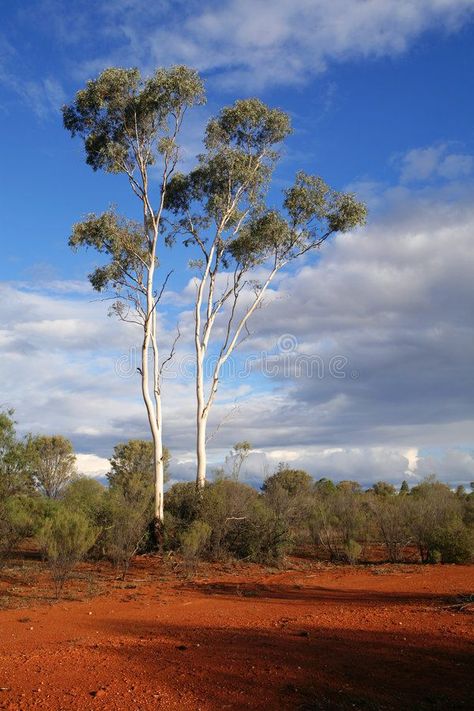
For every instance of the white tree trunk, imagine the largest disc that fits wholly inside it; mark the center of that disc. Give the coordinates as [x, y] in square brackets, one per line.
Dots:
[201, 418]
[201, 451]
[158, 440]
[153, 406]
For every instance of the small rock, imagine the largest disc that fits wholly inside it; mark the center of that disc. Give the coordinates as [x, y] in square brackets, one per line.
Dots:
[181, 647]
[98, 693]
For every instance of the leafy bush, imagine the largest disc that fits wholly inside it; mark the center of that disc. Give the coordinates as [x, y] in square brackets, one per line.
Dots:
[434, 511]
[224, 507]
[323, 528]
[53, 463]
[391, 518]
[338, 522]
[294, 481]
[242, 524]
[452, 544]
[290, 502]
[264, 537]
[15, 460]
[352, 551]
[17, 521]
[65, 539]
[127, 529]
[132, 468]
[194, 542]
[183, 502]
[87, 496]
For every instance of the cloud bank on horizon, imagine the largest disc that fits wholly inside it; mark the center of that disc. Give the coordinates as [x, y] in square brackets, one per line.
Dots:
[394, 300]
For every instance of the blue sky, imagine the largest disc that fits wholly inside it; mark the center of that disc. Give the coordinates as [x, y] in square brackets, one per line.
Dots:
[380, 94]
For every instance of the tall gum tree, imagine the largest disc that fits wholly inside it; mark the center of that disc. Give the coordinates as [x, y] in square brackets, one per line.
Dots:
[221, 209]
[131, 125]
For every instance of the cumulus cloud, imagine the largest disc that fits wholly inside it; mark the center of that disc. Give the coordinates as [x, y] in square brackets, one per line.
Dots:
[421, 164]
[92, 466]
[455, 465]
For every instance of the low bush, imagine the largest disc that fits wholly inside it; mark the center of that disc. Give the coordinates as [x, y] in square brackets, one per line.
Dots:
[183, 502]
[127, 529]
[17, 522]
[452, 544]
[65, 539]
[194, 542]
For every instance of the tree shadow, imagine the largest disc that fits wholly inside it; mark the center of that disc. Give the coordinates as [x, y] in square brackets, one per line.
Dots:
[314, 668]
[297, 593]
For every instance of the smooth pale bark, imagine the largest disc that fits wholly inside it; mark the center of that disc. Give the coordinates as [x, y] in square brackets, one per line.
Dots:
[153, 409]
[201, 342]
[153, 404]
[201, 451]
[158, 441]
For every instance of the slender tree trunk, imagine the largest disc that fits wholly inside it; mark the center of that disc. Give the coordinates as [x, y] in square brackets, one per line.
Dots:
[158, 442]
[153, 406]
[201, 419]
[201, 450]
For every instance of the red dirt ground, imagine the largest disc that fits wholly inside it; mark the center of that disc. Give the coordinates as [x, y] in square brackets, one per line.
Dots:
[310, 637]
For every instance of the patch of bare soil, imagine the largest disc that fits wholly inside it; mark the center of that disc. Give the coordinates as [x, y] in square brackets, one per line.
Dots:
[313, 637]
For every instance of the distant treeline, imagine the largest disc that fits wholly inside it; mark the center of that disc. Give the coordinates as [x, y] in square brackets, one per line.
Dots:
[72, 516]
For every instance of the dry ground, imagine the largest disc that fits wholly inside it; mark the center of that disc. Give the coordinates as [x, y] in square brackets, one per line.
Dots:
[310, 637]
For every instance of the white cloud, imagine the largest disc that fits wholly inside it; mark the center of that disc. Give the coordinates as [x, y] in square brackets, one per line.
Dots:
[456, 165]
[91, 465]
[454, 465]
[421, 164]
[366, 465]
[44, 96]
[244, 44]
[258, 42]
[251, 43]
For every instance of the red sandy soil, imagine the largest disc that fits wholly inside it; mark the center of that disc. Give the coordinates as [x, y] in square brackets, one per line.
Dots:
[310, 637]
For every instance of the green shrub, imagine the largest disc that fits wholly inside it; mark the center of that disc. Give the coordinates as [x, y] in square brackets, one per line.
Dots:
[65, 539]
[224, 507]
[17, 522]
[264, 537]
[127, 529]
[87, 496]
[322, 525]
[241, 523]
[172, 527]
[453, 544]
[183, 502]
[338, 522]
[353, 551]
[194, 542]
[294, 481]
[434, 511]
[391, 521]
